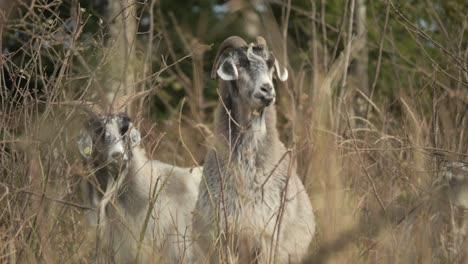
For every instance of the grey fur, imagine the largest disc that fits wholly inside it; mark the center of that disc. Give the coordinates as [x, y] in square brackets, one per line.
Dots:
[126, 193]
[455, 173]
[238, 200]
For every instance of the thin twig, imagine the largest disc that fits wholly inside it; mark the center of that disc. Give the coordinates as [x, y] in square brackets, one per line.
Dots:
[364, 168]
[43, 195]
[379, 61]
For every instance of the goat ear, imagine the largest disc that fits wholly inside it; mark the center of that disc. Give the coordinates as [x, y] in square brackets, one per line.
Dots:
[281, 72]
[85, 145]
[135, 136]
[228, 70]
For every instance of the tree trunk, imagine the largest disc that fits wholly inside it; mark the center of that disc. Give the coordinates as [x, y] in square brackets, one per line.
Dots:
[359, 78]
[121, 18]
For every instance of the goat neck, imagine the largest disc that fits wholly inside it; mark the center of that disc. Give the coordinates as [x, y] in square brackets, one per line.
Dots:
[236, 122]
[138, 160]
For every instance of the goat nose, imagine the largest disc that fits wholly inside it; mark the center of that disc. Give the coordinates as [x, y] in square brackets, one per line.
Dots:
[266, 88]
[116, 155]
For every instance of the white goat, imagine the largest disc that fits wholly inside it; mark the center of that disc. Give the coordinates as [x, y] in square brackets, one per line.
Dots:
[456, 175]
[143, 207]
[252, 206]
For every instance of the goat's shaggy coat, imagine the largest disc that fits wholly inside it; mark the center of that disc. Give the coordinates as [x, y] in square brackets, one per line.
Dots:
[456, 175]
[250, 192]
[143, 207]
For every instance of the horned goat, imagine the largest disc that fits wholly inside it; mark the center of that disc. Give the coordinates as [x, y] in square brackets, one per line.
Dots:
[143, 208]
[252, 206]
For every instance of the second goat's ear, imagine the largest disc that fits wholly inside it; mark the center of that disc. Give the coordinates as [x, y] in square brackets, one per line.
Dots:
[227, 70]
[85, 145]
[135, 136]
[281, 72]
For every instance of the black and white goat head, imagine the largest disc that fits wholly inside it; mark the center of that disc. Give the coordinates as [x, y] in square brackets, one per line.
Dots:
[113, 135]
[250, 69]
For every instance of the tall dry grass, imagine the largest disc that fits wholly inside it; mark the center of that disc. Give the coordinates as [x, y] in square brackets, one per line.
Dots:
[375, 181]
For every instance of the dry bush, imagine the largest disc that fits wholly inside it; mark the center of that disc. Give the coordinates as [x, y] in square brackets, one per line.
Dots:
[374, 180]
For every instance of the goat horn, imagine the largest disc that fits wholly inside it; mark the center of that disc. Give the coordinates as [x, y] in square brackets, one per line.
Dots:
[231, 42]
[261, 41]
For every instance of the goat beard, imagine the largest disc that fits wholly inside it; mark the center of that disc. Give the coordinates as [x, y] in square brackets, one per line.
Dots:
[256, 112]
[259, 111]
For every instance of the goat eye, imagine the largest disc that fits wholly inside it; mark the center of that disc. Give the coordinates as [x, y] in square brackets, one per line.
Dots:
[99, 132]
[124, 124]
[243, 62]
[270, 63]
[124, 129]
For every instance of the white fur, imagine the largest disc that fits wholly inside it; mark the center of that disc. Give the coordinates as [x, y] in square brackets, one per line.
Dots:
[163, 194]
[225, 75]
[144, 213]
[456, 174]
[249, 190]
[281, 72]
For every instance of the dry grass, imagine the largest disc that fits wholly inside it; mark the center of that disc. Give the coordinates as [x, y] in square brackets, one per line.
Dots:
[374, 181]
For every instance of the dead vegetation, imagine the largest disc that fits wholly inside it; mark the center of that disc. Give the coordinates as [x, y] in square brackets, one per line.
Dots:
[374, 161]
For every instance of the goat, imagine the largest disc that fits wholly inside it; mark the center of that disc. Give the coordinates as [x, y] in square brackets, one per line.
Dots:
[251, 206]
[143, 207]
[455, 173]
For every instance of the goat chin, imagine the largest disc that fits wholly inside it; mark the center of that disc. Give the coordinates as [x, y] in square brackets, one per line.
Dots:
[144, 214]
